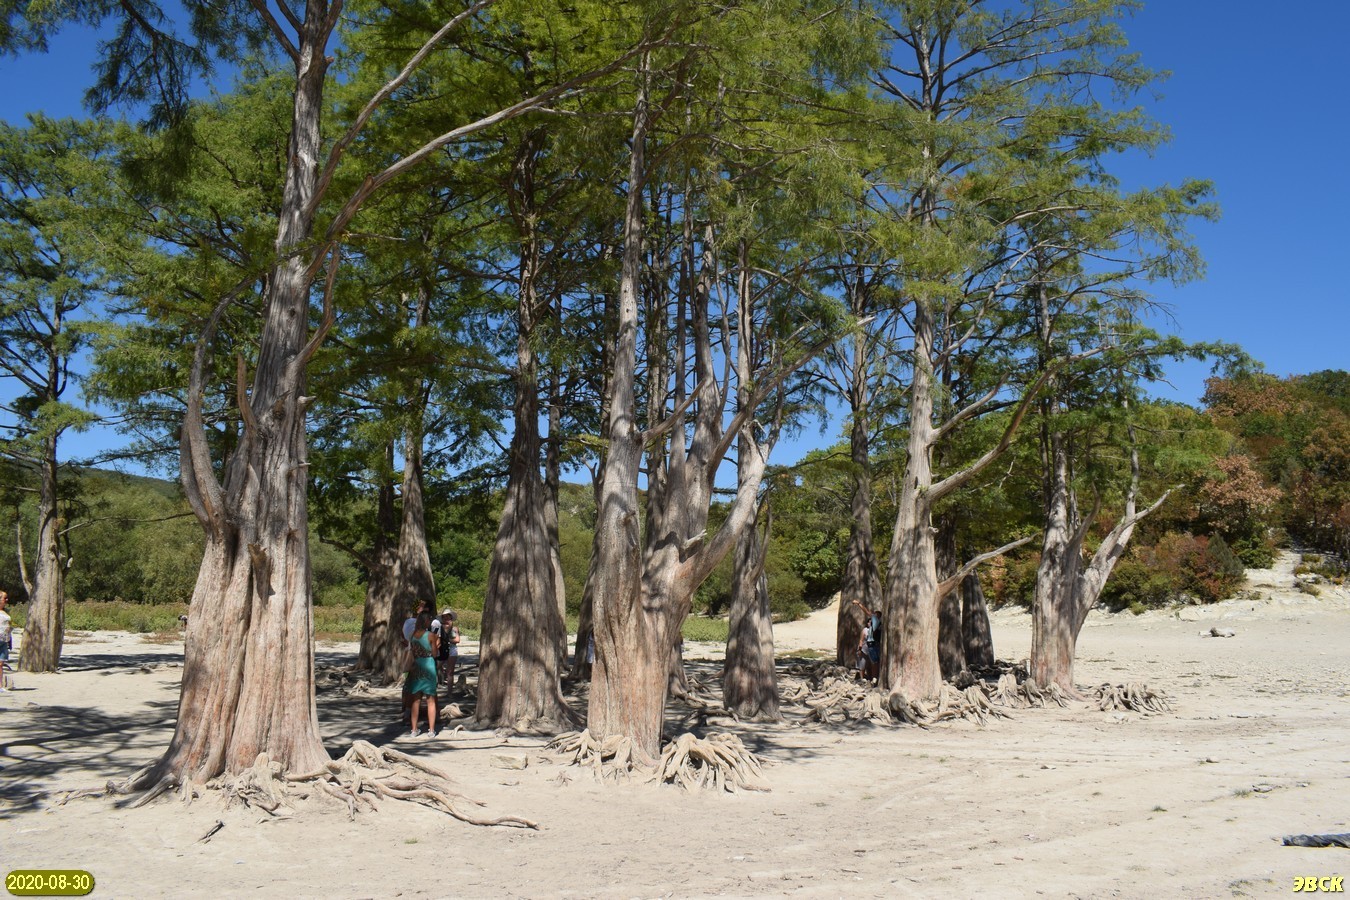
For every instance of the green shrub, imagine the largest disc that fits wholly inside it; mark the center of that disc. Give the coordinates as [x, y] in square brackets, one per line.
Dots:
[1138, 586]
[1018, 584]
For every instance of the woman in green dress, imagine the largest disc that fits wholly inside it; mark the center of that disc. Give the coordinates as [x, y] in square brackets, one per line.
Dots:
[422, 676]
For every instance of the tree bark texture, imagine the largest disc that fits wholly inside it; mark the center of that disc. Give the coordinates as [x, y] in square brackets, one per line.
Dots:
[749, 678]
[1067, 586]
[909, 653]
[381, 651]
[248, 675]
[522, 629]
[629, 681]
[951, 636]
[862, 581]
[44, 632]
[979, 639]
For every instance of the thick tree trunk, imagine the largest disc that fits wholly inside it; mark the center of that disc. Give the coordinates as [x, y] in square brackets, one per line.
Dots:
[951, 635]
[979, 640]
[1054, 610]
[44, 633]
[248, 675]
[586, 617]
[416, 582]
[381, 651]
[522, 630]
[909, 654]
[1067, 588]
[749, 678]
[750, 681]
[632, 653]
[862, 582]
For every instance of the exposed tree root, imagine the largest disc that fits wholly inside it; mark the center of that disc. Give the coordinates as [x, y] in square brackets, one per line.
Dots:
[951, 703]
[820, 672]
[363, 775]
[1021, 696]
[701, 695]
[840, 700]
[614, 758]
[719, 762]
[1134, 697]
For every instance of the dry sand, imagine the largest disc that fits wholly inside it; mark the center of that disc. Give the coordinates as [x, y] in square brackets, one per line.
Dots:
[1056, 803]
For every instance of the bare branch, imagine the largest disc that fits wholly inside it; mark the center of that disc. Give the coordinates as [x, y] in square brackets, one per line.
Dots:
[383, 94]
[260, 6]
[950, 584]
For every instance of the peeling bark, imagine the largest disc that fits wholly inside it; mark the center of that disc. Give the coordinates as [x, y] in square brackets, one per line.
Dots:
[248, 675]
[44, 631]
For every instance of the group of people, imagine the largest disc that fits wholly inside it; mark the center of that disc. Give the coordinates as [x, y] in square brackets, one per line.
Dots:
[432, 648]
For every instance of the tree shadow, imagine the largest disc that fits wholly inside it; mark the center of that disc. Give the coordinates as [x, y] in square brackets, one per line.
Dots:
[68, 743]
[121, 663]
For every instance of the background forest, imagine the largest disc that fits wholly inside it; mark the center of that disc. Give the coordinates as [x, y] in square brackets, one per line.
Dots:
[1265, 464]
[376, 279]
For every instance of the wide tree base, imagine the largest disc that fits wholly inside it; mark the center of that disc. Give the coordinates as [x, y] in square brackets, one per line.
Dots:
[1133, 697]
[364, 775]
[614, 758]
[719, 762]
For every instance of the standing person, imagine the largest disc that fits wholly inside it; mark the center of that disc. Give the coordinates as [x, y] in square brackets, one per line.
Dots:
[869, 647]
[6, 636]
[421, 683]
[449, 648]
[409, 626]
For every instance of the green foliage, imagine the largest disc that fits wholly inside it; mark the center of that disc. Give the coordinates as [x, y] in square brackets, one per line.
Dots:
[701, 628]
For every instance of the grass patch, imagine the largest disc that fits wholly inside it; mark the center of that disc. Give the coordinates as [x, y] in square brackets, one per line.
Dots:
[701, 628]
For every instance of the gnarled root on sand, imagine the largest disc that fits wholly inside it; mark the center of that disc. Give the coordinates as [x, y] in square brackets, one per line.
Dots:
[719, 762]
[1135, 697]
[951, 703]
[614, 757]
[364, 774]
[1024, 695]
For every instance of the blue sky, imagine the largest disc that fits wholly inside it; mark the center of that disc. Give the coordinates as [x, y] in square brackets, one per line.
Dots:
[1256, 103]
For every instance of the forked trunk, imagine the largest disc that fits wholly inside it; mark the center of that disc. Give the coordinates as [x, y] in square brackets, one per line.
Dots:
[248, 674]
[632, 654]
[44, 632]
[1067, 588]
[1054, 610]
[248, 677]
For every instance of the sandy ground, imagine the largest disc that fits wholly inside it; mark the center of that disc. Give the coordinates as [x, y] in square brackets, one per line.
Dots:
[1057, 803]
